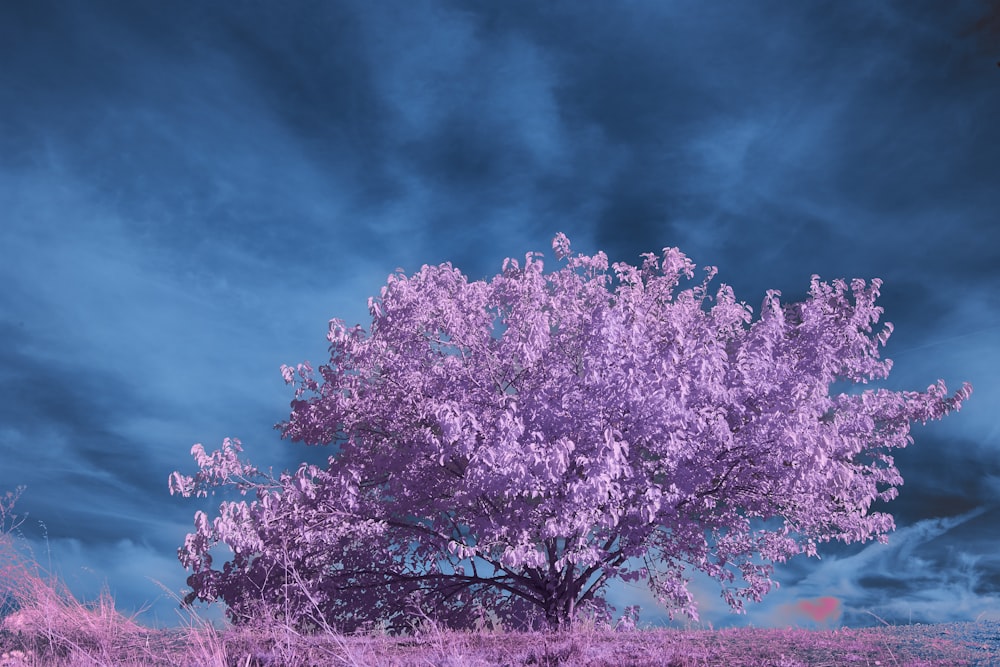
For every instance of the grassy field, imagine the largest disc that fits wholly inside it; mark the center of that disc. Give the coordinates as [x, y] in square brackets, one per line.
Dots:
[93, 637]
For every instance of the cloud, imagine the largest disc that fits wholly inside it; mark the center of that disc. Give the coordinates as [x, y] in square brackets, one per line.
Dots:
[929, 572]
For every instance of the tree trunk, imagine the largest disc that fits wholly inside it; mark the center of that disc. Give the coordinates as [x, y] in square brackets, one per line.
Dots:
[559, 606]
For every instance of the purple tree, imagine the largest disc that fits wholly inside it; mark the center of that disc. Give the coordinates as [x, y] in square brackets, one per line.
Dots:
[509, 447]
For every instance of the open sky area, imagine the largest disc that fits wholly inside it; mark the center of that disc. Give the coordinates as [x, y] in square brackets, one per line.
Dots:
[191, 190]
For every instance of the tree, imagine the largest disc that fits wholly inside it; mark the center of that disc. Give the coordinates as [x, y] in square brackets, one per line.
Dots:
[509, 447]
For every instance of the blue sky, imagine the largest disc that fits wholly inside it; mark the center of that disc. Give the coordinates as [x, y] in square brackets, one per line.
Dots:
[189, 191]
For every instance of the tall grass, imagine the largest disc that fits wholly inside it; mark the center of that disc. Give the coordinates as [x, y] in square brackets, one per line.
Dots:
[43, 624]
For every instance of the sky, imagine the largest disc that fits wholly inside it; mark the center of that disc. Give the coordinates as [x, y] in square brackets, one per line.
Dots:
[190, 191]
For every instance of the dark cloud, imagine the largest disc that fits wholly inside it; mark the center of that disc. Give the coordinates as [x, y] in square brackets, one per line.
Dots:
[59, 423]
[890, 585]
[944, 478]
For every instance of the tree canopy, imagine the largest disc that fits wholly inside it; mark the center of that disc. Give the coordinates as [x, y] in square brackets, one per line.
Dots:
[506, 448]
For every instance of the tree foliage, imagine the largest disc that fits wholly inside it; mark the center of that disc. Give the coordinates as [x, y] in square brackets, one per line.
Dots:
[508, 447]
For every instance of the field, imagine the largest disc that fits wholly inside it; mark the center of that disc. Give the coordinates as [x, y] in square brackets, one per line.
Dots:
[117, 642]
